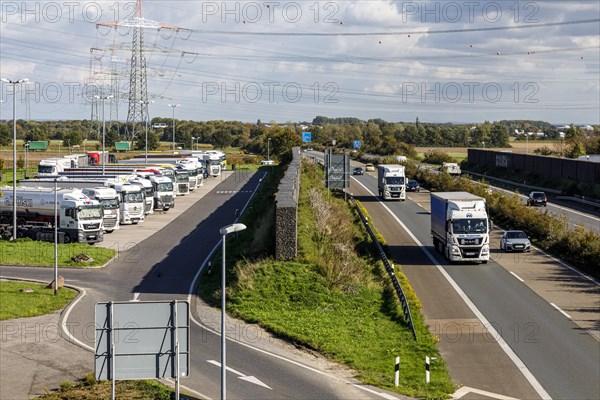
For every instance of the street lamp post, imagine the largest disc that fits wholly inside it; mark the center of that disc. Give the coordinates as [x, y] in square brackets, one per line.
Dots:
[173, 107]
[145, 103]
[14, 83]
[225, 231]
[268, 148]
[103, 156]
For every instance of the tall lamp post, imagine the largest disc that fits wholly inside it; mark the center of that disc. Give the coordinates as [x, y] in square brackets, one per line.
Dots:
[268, 148]
[225, 231]
[145, 104]
[103, 156]
[173, 107]
[14, 83]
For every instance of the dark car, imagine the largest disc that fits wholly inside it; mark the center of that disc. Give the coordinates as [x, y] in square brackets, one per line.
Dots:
[358, 171]
[537, 199]
[413, 186]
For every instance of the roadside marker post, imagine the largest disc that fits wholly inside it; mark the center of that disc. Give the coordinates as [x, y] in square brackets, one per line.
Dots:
[427, 368]
[397, 372]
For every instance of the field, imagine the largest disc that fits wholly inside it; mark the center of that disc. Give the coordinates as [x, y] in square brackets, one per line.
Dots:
[520, 146]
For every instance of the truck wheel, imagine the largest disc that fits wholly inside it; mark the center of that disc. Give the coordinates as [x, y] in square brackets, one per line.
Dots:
[435, 244]
[484, 262]
[67, 238]
[20, 221]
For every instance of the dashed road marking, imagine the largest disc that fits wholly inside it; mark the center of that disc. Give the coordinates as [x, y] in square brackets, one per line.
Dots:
[561, 311]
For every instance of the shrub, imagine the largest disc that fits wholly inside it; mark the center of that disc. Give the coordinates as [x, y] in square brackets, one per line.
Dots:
[437, 157]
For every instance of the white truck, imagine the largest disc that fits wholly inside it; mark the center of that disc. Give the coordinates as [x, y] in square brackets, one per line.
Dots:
[109, 200]
[459, 225]
[163, 192]
[132, 204]
[79, 217]
[391, 181]
[148, 193]
[53, 166]
[451, 168]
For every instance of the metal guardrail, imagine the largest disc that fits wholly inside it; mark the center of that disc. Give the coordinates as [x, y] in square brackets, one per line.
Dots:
[390, 270]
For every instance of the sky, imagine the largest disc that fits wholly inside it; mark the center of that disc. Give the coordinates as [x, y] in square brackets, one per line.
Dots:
[440, 61]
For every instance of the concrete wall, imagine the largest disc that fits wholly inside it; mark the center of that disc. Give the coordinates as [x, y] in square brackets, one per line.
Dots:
[286, 210]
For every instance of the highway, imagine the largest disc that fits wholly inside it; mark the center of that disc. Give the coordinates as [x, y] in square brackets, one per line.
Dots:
[559, 359]
[163, 267]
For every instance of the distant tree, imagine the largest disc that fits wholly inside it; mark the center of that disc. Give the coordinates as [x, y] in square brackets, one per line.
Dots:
[499, 135]
[73, 138]
[5, 135]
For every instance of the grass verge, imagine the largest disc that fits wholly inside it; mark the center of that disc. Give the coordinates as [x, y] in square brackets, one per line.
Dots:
[335, 298]
[35, 253]
[88, 388]
[15, 303]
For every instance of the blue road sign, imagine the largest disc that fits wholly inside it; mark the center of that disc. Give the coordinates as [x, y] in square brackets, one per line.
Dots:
[357, 144]
[306, 137]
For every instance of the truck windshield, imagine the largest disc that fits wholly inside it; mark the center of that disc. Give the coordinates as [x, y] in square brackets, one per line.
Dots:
[164, 187]
[394, 180]
[45, 169]
[89, 212]
[472, 225]
[109, 203]
[133, 197]
[182, 177]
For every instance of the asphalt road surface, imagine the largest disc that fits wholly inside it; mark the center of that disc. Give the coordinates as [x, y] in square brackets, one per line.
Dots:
[559, 358]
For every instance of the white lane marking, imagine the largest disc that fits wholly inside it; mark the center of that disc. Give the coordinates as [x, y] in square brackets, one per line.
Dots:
[384, 395]
[516, 276]
[198, 394]
[135, 297]
[503, 345]
[66, 318]
[561, 311]
[467, 390]
[243, 377]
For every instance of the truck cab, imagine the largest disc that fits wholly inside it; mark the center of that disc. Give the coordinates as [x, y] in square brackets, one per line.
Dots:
[109, 200]
[148, 189]
[131, 200]
[391, 182]
[460, 227]
[53, 166]
[163, 192]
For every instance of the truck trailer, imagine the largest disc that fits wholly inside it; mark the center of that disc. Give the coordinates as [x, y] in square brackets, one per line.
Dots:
[459, 225]
[391, 181]
[79, 217]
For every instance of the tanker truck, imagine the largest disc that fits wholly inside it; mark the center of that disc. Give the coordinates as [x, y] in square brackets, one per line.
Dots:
[79, 217]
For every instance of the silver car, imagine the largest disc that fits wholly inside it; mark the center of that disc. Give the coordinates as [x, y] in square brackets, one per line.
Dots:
[515, 241]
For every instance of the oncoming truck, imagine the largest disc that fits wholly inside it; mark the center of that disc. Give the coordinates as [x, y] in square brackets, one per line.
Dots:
[391, 182]
[79, 217]
[459, 225]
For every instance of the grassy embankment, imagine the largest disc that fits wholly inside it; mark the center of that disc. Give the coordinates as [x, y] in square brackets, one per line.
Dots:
[334, 298]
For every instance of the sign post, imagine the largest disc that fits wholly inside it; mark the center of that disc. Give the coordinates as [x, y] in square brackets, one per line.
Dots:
[142, 340]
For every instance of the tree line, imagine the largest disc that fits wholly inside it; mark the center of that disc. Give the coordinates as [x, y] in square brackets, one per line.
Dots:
[376, 135]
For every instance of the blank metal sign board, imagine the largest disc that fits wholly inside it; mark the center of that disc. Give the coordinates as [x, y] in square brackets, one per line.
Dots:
[144, 338]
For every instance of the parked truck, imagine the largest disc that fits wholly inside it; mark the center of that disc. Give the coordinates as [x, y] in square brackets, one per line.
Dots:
[459, 225]
[148, 190]
[109, 200]
[391, 181]
[131, 201]
[79, 217]
[53, 166]
[163, 192]
[451, 167]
